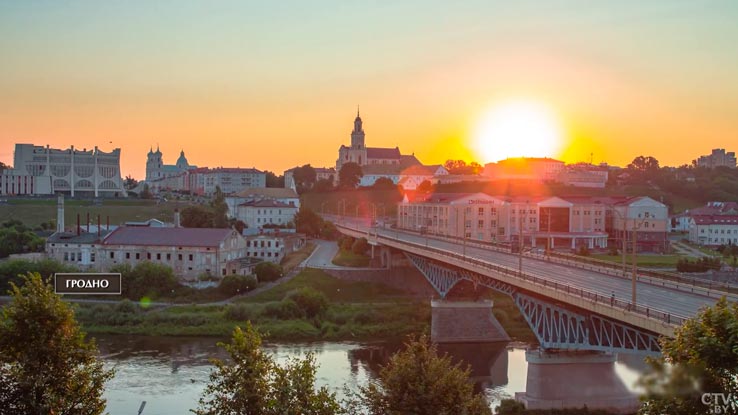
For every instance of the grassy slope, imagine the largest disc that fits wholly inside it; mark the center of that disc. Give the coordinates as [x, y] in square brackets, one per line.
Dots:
[34, 211]
[349, 259]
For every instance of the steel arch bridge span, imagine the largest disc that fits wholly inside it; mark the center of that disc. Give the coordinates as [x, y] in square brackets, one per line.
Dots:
[554, 325]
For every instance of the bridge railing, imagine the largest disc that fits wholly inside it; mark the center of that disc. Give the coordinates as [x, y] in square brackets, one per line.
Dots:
[648, 312]
[658, 278]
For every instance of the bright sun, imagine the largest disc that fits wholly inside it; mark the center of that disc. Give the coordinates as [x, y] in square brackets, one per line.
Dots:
[517, 128]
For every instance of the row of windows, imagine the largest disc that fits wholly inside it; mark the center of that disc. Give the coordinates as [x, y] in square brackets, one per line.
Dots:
[77, 256]
[722, 231]
[262, 254]
[261, 244]
[158, 256]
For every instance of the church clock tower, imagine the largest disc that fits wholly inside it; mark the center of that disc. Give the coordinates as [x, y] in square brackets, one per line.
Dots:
[357, 136]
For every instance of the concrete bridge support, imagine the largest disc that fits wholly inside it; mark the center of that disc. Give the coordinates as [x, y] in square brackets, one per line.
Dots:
[465, 322]
[559, 380]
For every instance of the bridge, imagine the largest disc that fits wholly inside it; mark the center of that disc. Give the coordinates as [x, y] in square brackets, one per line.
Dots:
[574, 309]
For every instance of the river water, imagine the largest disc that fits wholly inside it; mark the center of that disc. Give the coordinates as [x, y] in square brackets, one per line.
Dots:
[170, 373]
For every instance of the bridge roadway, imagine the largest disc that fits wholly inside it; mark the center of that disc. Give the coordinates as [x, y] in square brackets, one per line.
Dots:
[679, 303]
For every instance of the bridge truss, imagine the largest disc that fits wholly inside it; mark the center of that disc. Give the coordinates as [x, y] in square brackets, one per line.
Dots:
[555, 326]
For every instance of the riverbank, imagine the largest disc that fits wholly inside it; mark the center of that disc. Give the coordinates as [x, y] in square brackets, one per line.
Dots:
[354, 311]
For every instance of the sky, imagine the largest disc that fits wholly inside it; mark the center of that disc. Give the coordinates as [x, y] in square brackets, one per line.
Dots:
[273, 85]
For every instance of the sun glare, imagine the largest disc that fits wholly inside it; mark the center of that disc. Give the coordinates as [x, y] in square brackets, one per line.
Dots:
[519, 128]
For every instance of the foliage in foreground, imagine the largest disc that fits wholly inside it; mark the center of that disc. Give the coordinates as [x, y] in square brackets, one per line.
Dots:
[252, 383]
[46, 365]
[701, 358]
[418, 381]
[513, 407]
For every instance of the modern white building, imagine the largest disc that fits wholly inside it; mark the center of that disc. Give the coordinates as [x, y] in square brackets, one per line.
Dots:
[714, 230]
[644, 219]
[266, 212]
[204, 181]
[273, 247]
[539, 221]
[39, 170]
[584, 175]
[253, 194]
[525, 168]
[719, 157]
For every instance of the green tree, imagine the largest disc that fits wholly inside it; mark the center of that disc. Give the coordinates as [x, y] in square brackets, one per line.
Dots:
[252, 383]
[197, 216]
[304, 177]
[384, 183]
[129, 182]
[425, 187]
[349, 176]
[237, 284]
[418, 381]
[46, 365]
[308, 222]
[146, 279]
[146, 193]
[701, 358]
[219, 208]
[268, 271]
[360, 246]
[323, 185]
[272, 180]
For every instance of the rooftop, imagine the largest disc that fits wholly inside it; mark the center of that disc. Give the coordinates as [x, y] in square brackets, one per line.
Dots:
[383, 153]
[148, 236]
[272, 192]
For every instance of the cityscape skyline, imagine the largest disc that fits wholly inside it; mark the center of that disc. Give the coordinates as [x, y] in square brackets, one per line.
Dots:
[242, 84]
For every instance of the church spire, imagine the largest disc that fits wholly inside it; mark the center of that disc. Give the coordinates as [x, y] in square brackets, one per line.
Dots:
[357, 111]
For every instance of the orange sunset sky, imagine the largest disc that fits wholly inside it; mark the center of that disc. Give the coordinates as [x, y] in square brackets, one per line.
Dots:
[275, 84]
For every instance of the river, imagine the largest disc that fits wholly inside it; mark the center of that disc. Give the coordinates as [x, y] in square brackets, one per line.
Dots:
[170, 373]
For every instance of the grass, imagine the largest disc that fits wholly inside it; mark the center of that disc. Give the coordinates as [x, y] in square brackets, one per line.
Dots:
[33, 212]
[293, 259]
[356, 311]
[349, 259]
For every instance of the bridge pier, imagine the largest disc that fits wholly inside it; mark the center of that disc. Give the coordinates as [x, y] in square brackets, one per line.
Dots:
[558, 380]
[465, 322]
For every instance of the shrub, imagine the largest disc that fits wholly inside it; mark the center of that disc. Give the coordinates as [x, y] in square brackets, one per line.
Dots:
[125, 306]
[268, 271]
[313, 303]
[360, 246]
[283, 310]
[347, 243]
[240, 312]
[235, 284]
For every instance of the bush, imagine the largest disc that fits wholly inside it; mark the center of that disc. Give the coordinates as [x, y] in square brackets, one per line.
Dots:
[268, 271]
[313, 303]
[360, 246]
[347, 243]
[125, 306]
[235, 284]
[283, 310]
[241, 312]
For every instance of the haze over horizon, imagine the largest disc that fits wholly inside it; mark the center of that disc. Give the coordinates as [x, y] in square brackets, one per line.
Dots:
[272, 86]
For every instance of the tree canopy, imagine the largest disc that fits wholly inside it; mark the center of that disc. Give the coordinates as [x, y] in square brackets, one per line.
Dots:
[253, 383]
[219, 208]
[304, 177]
[701, 358]
[350, 175]
[46, 364]
[272, 180]
[460, 167]
[418, 381]
[17, 238]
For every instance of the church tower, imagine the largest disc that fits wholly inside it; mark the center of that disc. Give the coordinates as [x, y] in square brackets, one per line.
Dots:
[153, 164]
[357, 136]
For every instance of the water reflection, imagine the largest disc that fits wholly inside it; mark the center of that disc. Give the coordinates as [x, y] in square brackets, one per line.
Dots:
[170, 373]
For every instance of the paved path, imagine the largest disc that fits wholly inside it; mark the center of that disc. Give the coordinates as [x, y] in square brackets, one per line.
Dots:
[689, 251]
[323, 256]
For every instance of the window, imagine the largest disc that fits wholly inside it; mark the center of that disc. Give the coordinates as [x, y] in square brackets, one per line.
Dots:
[480, 223]
[112, 255]
[169, 257]
[179, 257]
[138, 256]
[158, 257]
[66, 256]
[128, 255]
[467, 224]
[190, 256]
[148, 256]
[481, 211]
[92, 257]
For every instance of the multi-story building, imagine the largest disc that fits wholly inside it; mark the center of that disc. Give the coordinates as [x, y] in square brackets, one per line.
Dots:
[643, 219]
[413, 176]
[273, 247]
[41, 170]
[584, 175]
[283, 195]
[714, 230]
[265, 212]
[190, 252]
[321, 173]
[203, 181]
[525, 168]
[539, 221]
[718, 157]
